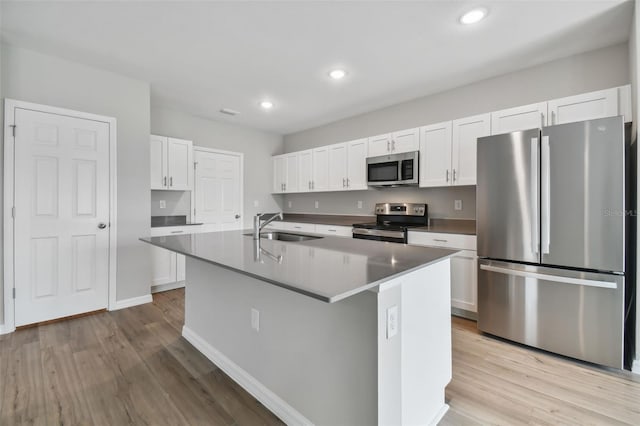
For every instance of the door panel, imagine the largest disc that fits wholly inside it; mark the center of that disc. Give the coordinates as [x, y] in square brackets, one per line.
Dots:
[180, 164]
[305, 170]
[405, 141]
[62, 194]
[571, 313]
[435, 155]
[158, 162]
[320, 180]
[519, 118]
[465, 133]
[338, 167]
[586, 106]
[585, 202]
[218, 190]
[357, 164]
[508, 196]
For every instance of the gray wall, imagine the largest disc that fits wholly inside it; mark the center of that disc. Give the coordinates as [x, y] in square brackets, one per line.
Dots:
[634, 45]
[33, 77]
[257, 146]
[599, 69]
[178, 203]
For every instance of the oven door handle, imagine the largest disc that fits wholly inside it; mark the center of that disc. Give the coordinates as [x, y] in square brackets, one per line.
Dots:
[378, 233]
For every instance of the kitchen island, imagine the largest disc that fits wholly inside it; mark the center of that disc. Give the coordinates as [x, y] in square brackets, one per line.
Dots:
[327, 331]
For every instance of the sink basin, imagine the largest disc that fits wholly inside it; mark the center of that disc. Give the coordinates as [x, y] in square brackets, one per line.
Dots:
[285, 236]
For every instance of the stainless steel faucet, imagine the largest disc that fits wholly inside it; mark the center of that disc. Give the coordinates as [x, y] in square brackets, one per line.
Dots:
[257, 227]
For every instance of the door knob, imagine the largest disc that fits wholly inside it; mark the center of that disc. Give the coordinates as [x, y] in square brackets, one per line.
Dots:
[102, 225]
[237, 216]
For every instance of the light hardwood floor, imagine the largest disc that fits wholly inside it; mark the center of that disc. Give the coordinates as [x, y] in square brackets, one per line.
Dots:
[132, 367]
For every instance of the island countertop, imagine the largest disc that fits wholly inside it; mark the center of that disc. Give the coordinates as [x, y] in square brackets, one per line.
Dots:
[328, 268]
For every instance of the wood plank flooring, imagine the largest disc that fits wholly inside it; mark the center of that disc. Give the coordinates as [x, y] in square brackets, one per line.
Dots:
[132, 367]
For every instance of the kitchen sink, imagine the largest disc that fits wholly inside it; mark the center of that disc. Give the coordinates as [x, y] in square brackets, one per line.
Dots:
[285, 236]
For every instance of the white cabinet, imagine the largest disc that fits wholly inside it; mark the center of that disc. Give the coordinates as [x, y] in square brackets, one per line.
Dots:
[394, 143]
[163, 266]
[171, 163]
[465, 133]
[279, 173]
[285, 173]
[339, 231]
[338, 167]
[320, 181]
[357, 164]
[435, 155]
[586, 106]
[168, 269]
[305, 170]
[464, 273]
[519, 118]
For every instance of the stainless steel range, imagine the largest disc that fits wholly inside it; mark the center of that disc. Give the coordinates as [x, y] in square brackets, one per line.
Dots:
[392, 222]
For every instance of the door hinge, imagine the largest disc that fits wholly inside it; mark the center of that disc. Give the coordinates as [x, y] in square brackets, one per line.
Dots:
[13, 129]
[14, 292]
[13, 212]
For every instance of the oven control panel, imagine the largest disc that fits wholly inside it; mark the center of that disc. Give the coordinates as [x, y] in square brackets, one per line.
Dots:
[407, 209]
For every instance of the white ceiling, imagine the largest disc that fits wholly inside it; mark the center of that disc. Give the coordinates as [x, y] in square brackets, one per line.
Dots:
[204, 56]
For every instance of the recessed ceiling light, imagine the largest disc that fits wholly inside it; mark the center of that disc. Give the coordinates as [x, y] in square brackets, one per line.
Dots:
[266, 104]
[337, 74]
[473, 16]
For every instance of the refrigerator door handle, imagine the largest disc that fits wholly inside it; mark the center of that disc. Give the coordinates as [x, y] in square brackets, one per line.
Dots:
[554, 278]
[535, 232]
[546, 195]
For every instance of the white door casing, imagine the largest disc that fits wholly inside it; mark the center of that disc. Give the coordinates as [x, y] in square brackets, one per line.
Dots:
[60, 247]
[219, 188]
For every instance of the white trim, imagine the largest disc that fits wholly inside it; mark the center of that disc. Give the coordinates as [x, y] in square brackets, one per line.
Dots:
[241, 190]
[440, 415]
[134, 301]
[273, 402]
[10, 106]
[169, 286]
[635, 367]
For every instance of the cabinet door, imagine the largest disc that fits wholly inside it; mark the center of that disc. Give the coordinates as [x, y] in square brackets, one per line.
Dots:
[519, 118]
[163, 266]
[464, 281]
[405, 141]
[587, 106]
[320, 181]
[291, 179]
[465, 133]
[357, 164]
[379, 145]
[279, 174]
[435, 155]
[338, 166]
[305, 170]
[180, 164]
[158, 160]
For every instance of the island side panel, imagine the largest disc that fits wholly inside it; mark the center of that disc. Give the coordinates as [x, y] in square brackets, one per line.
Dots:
[320, 358]
[415, 364]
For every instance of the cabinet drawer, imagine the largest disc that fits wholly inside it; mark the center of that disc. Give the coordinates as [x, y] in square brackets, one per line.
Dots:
[299, 227]
[453, 241]
[340, 231]
[175, 230]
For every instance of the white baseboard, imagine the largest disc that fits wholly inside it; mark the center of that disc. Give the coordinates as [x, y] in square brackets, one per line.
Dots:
[273, 402]
[6, 330]
[134, 301]
[165, 287]
[635, 367]
[440, 415]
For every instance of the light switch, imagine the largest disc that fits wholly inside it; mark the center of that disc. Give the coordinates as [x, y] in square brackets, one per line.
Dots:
[317, 204]
[457, 205]
[289, 204]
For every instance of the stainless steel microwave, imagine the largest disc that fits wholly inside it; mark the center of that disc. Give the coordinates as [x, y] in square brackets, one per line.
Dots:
[393, 169]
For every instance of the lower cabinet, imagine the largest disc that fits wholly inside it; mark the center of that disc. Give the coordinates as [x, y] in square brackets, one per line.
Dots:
[168, 269]
[464, 273]
[338, 231]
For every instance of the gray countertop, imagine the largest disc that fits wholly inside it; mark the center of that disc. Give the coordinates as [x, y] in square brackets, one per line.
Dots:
[329, 269]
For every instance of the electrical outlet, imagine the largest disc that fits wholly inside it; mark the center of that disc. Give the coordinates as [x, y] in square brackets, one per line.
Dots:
[163, 204]
[359, 204]
[457, 205]
[317, 204]
[255, 319]
[392, 321]
[289, 204]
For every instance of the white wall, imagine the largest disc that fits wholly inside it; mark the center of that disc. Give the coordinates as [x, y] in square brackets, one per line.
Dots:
[589, 71]
[178, 203]
[257, 146]
[634, 45]
[34, 77]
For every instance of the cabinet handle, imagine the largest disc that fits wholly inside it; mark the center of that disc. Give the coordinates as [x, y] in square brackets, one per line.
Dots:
[541, 119]
[447, 176]
[165, 181]
[388, 146]
[454, 175]
[331, 230]
[348, 183]
[177, 232]
[344, 183]
[285, 186]
[297, 227]
[553, 117]
[171, 181]
[393, 145]
[313, 184]
[442, 241]
[309, 185]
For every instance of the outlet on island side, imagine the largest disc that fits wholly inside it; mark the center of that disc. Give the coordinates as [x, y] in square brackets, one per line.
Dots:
[392, 321]
[290, 204]
[457, 205]
[359, 204]
[255, 319]
[317, 204]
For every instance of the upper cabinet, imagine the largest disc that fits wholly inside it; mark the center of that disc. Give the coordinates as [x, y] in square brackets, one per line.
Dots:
[448, 151]
[465, 133]
[305, 170]
[285, 173]
[338, 167]
[357, 152]
[320, 181]
[519, 118]
[394, 143]
[171, 163]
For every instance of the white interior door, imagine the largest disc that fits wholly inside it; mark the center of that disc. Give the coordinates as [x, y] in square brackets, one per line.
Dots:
[62, 214]
[218, 191]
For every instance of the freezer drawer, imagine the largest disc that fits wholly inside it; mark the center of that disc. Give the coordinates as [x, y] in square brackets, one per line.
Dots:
[572, 313]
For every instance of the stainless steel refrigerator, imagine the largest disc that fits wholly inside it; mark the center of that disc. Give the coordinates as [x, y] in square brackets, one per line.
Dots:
[552, 218]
